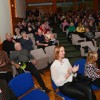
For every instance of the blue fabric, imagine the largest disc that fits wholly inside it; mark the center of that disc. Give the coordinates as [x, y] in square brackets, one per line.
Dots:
[21, 83]
[36, 95]
[94, 87]
[59, 93]
[81, 63]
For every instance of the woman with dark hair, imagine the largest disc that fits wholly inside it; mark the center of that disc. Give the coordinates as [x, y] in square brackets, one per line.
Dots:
[63, 75]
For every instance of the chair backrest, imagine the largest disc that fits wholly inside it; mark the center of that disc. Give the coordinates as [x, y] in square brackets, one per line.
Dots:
[21, 84]
[81, 63]
[76, 38]
[90, 45]
[49, 51]
[97, 34]
[38, 53]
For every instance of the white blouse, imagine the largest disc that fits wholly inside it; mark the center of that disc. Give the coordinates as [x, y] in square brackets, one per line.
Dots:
[59, 70]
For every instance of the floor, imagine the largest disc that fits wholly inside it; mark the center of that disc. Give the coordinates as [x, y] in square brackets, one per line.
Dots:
[47, 80]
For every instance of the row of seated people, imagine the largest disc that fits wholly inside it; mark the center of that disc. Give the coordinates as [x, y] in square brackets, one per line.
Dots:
[65, 81]
[55, 75]
[23, 61]
[83, 32]
[62, 80]
[18, 56]
[82, 26]
[26, 42]
[80, 22]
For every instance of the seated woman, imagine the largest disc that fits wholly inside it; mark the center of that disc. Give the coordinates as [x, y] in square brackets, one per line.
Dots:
[65, 25]
[4, 61]
[63, 74]
[17, 35]
[5, 66]
[89, 35]
[71, 29]
[90, 68]
[80, 30]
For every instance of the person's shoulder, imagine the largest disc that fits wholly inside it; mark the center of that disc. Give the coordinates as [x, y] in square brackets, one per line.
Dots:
[65, 59]
[55, 63]
[4, 41]
[14, 52]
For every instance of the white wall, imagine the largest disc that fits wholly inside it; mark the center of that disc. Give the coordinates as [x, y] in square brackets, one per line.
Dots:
[5, 15]
[5, 21]
[21, 8]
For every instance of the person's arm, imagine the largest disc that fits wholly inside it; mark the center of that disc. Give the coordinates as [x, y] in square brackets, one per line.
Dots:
[7, 60]
[41, 44]
[90, 72]
[15, 64]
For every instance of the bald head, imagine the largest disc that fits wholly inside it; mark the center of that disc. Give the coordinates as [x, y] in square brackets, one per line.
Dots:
[18, 46]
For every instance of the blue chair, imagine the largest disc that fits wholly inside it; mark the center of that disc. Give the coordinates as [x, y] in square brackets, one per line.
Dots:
[24, 88]
[81, 62]
[58, 93]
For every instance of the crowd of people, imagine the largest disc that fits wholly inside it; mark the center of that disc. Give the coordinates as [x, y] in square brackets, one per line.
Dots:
[16, 49]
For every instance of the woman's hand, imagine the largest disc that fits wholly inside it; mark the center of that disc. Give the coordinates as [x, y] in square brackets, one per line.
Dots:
[3, 64]
[75, 68]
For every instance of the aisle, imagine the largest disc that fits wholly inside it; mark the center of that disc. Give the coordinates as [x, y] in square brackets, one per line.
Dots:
[72, 52]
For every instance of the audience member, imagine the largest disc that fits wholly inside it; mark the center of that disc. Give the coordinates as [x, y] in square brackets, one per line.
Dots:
[62, 74]
[41, 42]
[17, 35]
[4, 61]
[8, 44]
[21, 57]
[5, 66]
[26, 42]
[80, 30]
[91, 69]
[71, 29]
[89, 35]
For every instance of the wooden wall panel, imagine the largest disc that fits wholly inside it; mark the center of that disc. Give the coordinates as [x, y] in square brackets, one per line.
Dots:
[37, 1]
[12, 8]
[47, 9]
[0, 46]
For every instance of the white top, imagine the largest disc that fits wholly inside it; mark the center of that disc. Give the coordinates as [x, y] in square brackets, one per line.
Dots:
[59, 70]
